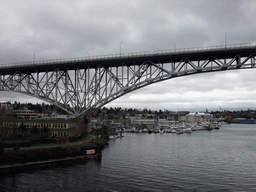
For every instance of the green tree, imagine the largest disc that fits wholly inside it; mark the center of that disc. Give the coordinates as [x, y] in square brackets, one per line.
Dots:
[22, 128]
[34, 130]
[2, 136]
[45, 131]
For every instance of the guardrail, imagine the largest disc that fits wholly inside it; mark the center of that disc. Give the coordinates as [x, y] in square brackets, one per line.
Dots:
[207, 48]
[130, 55]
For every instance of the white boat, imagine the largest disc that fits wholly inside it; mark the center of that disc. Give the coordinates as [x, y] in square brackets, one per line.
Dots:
[174, 130]
[145, 130]
[161, 130]
[112, 136]
[187, 130]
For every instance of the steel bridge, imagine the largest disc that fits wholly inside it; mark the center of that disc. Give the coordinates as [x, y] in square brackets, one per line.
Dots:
[80, 85]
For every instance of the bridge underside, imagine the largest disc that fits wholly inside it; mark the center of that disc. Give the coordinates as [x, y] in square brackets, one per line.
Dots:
[81, 86]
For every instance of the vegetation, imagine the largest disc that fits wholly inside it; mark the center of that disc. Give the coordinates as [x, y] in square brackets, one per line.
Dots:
[42, 147]
[50, 152]
[120, 113]
[40, 108]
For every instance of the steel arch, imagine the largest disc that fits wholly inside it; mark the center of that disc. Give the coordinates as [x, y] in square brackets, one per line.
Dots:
[79, 86]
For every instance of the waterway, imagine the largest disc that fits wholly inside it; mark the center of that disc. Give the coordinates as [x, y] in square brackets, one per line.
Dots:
[217, 160]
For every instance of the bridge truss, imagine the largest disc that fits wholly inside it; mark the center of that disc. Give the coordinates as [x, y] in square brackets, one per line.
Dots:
[81, 85]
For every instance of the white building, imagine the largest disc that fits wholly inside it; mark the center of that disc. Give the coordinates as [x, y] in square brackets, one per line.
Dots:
[165, 123]
[196, 117]
[26, 114]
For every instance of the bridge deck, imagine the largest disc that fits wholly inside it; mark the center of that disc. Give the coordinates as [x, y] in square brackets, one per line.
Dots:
[137, 58]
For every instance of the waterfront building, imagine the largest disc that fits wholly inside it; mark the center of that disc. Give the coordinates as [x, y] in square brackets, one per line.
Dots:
[25, 114]
[6, 109]
[100, 128]
[196, 117]
[145, 116]
[53, 127]
[144, 123]
[32, 114]
[164, 123]
[127, 121]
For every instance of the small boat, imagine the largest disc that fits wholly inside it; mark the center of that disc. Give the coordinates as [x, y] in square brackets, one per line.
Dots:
[145, 130]
[138, 131]
[187, 130]
[112, 136]
[179, 132]
[133, 130]
[161, 130]
[156, 131]
[173, 131]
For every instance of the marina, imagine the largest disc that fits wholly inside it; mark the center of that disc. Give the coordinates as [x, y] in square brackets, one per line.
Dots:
[181, 128]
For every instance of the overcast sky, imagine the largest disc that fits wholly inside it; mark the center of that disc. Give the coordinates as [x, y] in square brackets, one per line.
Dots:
[71, 28]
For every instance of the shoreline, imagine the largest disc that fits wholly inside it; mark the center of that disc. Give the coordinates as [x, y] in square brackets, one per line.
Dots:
[13, 168]
[34, 158]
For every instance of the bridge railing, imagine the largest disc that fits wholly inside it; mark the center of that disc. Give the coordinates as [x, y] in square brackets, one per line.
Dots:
[135, 54]
[130, 55]
[66, 60]
[207, 48]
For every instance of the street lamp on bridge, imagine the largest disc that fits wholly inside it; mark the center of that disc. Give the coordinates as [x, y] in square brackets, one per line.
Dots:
[35, 55]
[121, 49]
[225, 40]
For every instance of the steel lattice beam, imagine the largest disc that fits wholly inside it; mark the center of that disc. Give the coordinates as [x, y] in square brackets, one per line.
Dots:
[89, 84]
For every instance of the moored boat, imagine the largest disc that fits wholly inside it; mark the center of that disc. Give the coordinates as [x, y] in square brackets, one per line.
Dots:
[187, 130]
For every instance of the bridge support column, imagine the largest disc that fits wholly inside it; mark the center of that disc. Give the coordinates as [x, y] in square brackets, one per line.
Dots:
[238, 61]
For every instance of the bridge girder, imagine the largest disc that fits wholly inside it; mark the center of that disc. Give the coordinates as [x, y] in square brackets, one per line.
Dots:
[80, 89]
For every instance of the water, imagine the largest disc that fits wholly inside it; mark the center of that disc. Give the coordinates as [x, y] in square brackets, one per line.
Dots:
[218, 160]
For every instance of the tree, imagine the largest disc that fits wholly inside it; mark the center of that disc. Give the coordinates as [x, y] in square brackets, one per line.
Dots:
[45, 131]
[103, 130]
[22, 128]
[34, 130]
[145, 111]
[80, 126]
[160, 112]
[111, 110]
[2, 136]
[43, 108]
